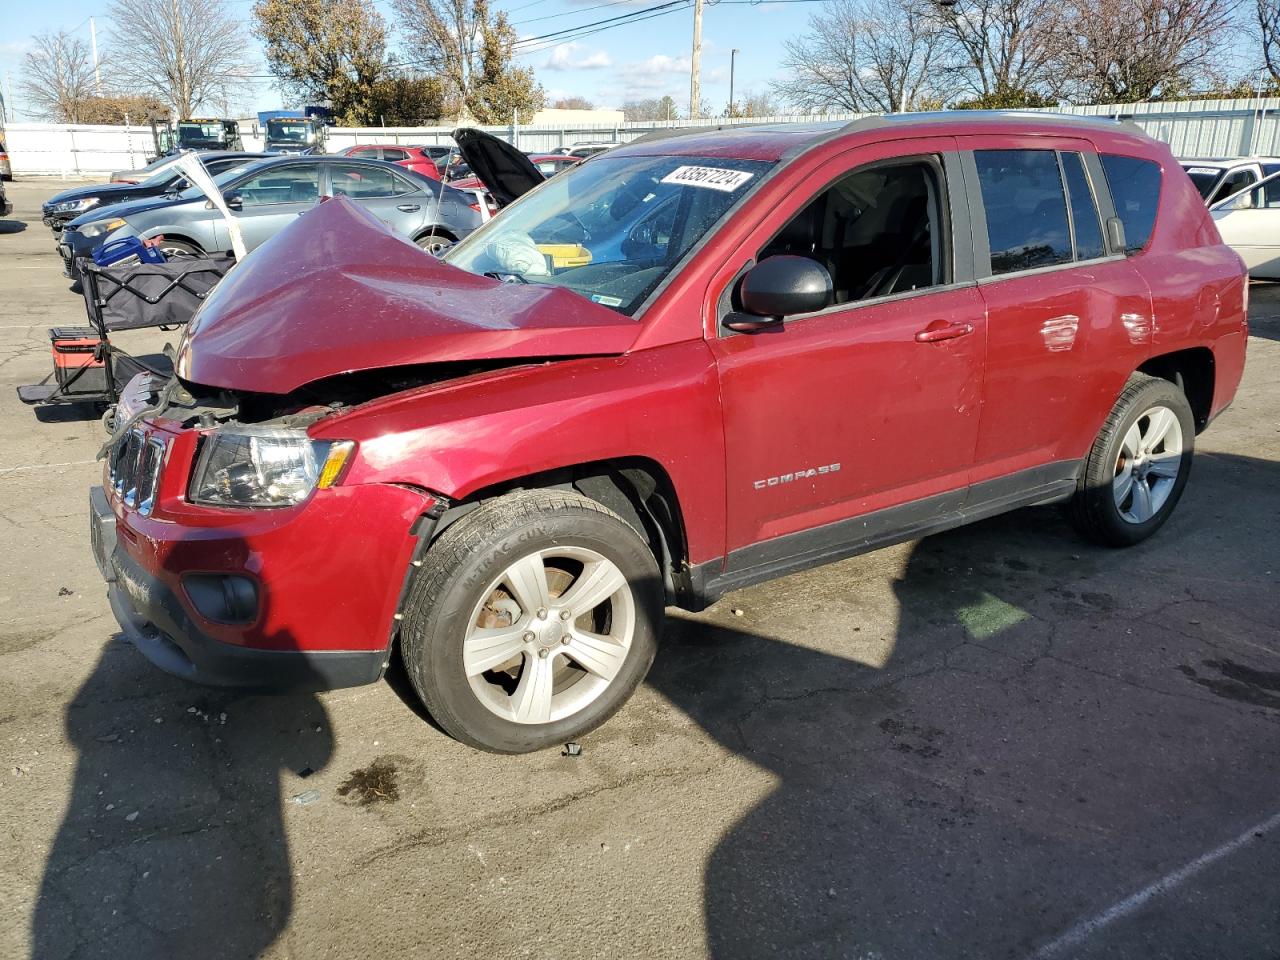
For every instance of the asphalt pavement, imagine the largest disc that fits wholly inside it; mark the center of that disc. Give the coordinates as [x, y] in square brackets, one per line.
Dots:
[999, 742]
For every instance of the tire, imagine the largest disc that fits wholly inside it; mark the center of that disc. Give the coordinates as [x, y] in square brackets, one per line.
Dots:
[179, 248]
[463, 596]
[1109, 505]
[435, 242]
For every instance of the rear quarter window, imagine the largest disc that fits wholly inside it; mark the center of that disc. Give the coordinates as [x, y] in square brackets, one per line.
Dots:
[1135, 190]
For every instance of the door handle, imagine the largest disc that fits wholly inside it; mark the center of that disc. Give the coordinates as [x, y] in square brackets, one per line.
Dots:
[943, 330]
[408, 208]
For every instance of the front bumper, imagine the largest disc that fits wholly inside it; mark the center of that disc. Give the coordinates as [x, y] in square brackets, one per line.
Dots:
[158, 623]
[57, 222]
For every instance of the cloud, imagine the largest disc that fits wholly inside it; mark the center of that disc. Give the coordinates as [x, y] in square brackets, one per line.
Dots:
[659, 65]
[577, 56]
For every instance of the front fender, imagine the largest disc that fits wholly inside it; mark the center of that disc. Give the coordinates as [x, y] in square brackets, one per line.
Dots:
[463, 436]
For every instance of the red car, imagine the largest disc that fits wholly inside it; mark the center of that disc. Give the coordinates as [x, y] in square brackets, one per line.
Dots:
[416, 159]
[695, 363]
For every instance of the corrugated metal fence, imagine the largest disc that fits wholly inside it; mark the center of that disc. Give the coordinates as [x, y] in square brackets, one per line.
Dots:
[1193, 128]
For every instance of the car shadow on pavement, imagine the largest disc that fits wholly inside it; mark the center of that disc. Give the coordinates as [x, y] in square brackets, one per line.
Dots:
[172, 843]
[1025, 748]
[12, 226]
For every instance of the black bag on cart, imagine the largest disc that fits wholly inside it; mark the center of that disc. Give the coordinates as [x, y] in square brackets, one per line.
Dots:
[134, 296]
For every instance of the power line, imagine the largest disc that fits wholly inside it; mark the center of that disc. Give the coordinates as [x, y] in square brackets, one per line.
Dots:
[570, 13]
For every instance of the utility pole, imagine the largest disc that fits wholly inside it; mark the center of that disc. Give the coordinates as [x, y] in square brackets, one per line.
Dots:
[733, 55]
[695, 80]
[93, 40]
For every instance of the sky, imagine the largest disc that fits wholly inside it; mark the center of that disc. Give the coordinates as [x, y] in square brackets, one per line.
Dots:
[633, 61]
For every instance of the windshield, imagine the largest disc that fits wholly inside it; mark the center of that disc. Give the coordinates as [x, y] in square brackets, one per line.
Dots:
[288, 131]
[1205, 179]
[193, 132]
[610, 230]
[163, 173]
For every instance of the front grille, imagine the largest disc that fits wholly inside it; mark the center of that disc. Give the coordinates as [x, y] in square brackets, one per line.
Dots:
[135, 470]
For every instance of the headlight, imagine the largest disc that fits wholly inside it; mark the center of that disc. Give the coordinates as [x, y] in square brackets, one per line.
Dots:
[74, 206]
[99, 227]
[247, 466]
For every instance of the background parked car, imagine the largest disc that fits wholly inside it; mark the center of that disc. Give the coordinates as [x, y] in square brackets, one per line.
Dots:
[411, 158]
[1250, 224]
[141, 173]
[547, 164]
[60, 209]
[6, 170]
[6, 207]
[267, 196]
[440, 153]
[590, 148]
[1218, 179]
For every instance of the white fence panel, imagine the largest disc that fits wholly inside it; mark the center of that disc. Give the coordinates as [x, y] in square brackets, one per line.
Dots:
[1193, 128]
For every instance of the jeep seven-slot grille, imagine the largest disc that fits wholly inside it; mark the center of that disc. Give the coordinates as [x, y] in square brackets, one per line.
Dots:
[135, 470]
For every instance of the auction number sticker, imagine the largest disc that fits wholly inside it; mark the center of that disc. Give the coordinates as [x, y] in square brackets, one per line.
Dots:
[710, 178]
[1203, 170]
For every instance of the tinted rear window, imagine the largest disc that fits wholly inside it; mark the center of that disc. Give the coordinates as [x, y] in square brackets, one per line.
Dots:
[1135, 189]
[1026, 209]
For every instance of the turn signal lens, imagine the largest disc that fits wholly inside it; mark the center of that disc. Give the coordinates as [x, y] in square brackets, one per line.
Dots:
[339, 454]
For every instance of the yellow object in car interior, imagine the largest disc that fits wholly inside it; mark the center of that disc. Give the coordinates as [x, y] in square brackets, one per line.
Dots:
[564, 255]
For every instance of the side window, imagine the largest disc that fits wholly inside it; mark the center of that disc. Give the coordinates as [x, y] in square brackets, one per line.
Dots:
[878, 231]
[362, 181]
[1234, 183]
[297, 184]
[1026, 209]
[1135, 189]
[1265, 195]
[393, 154]
[1085, 222]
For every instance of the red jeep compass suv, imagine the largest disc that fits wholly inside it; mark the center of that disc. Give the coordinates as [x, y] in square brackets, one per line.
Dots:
[693, 363]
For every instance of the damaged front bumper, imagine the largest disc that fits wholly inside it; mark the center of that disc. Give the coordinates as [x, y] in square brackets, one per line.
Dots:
[156, 622]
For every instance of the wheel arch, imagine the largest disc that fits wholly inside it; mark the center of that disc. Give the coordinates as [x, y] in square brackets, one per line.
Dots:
[176, 235]
[1194, 371]
[638, 489]
[439, 230]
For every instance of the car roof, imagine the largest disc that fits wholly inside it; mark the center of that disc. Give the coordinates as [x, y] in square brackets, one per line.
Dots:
[1228, 162]
[778, 141]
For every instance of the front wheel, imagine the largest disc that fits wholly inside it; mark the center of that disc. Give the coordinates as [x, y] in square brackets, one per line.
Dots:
[531, 621]
[1137, 467]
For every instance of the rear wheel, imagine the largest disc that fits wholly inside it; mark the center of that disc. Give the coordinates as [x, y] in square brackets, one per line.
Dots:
[1138, 466]
[435, 242]
[531, 621]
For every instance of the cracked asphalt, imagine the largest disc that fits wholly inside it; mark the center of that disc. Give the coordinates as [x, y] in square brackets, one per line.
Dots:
[996, 742]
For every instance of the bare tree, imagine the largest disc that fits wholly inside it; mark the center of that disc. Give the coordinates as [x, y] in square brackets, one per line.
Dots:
[652, 108]
[573, 103]
[187, 52]
[873, 55]
[58, 76]
[1003, 51]
[1269, 35]
[1121, 51]
[471, 49]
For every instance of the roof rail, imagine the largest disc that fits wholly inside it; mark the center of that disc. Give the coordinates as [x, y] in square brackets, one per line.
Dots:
[669, 132]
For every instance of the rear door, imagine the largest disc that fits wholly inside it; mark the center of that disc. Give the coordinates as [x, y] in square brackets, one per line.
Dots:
[393, 199]
[1065, 310]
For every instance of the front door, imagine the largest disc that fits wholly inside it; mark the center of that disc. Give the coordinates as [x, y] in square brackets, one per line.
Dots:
[274, 198]
[1250, 225]
[873, 402]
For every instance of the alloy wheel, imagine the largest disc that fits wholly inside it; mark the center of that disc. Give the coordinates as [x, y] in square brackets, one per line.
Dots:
[1147, 464]
[549, 635]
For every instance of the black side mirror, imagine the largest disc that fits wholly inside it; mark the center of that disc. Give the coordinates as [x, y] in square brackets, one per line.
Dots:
[780, 287]
[233, 201]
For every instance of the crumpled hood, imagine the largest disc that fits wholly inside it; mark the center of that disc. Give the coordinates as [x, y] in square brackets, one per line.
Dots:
[336, 292]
